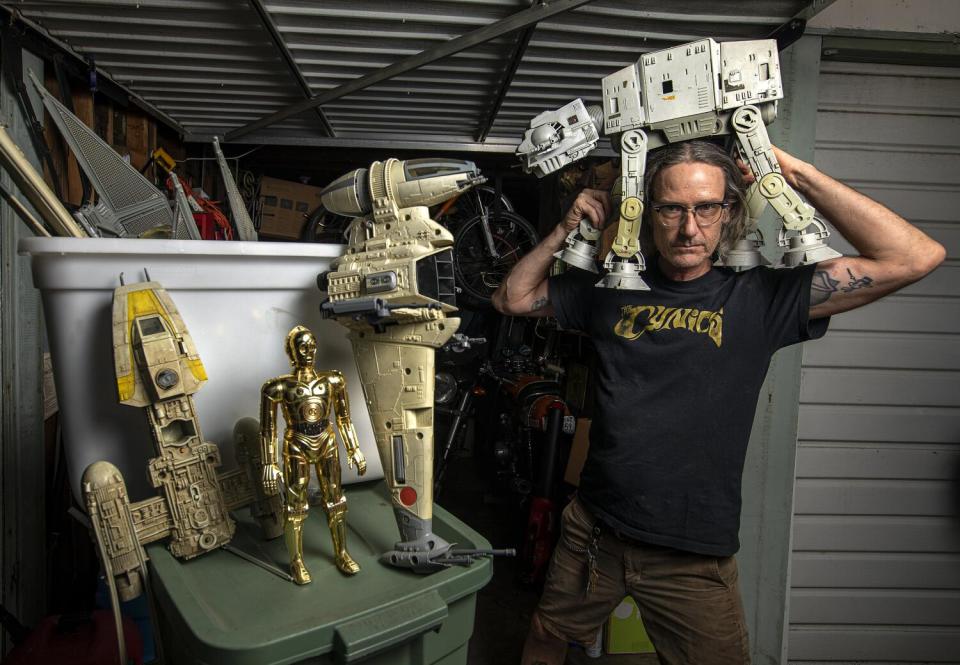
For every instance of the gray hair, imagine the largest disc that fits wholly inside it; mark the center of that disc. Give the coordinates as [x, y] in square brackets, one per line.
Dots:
[702, 152]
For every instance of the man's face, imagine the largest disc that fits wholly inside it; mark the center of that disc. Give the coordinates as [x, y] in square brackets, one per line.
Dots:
[305, 348]
[685, 251]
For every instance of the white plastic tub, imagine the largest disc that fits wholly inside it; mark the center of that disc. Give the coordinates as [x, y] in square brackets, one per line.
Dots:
[238, 299]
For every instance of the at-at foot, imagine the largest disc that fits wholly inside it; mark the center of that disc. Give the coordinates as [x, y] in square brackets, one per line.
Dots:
[299, 572]
[346, 565]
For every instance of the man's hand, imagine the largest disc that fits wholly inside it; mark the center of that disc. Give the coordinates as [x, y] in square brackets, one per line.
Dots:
[524, 291]
[790, 168]
[272, 477]
[591, 204]
[356, 457]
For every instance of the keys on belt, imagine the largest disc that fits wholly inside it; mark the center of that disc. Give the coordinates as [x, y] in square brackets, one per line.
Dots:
[593, 552]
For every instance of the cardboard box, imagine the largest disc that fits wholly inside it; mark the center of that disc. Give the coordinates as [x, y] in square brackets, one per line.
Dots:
[285, 206]
[625, 630]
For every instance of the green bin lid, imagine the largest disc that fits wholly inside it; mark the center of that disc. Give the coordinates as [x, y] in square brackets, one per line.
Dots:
[233, 611]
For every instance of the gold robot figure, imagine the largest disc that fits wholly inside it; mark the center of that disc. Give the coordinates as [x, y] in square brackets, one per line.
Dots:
[307, 398]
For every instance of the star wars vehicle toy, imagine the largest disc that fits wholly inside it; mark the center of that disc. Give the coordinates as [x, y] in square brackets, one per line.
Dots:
[394, 290]
[698, 90]
[158, 369]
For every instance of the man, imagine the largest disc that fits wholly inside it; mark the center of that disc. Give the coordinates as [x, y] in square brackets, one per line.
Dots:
[679, 372]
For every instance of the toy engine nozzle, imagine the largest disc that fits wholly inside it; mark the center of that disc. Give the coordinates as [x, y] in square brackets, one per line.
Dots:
[348, 195]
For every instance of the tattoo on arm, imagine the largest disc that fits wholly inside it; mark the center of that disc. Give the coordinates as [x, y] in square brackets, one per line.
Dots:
[822, 287]
[857, 282]
[539, 304]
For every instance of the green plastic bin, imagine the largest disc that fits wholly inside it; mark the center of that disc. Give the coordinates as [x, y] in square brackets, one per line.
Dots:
[219, 608]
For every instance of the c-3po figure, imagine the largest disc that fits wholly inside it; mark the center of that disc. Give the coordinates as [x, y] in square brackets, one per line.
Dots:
[307, 398]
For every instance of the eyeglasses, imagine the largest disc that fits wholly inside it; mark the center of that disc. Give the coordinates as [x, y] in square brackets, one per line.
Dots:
[671, 215]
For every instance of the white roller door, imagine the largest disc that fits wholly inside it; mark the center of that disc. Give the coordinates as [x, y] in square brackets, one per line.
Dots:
[876, 538]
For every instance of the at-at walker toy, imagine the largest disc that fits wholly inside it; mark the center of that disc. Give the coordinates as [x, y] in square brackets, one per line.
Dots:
[394, 291]
[697, 90]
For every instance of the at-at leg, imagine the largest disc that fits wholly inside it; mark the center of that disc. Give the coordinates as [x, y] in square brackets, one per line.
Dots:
[745, 253]
[335, 505]
[796, 215]
[296, 473]
[625, 261]
[754, 144]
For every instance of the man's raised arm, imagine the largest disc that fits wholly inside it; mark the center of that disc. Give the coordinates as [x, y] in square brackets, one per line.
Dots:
[893, 252]
[524, 291]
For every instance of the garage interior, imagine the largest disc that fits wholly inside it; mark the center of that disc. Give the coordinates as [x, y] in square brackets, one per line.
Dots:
[850, 533]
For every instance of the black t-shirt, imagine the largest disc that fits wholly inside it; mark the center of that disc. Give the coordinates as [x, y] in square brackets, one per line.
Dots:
[678, 376]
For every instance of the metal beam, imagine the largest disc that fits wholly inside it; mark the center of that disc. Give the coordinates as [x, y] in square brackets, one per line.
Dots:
[788, 33]
[944, 52]
[523, 40]
[423, 143]
[288, 58]
[812, 9]
[793, 29]
[502, 27]
[418, 142]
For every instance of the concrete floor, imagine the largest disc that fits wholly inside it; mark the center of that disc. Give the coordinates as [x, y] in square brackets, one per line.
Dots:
[504, 606]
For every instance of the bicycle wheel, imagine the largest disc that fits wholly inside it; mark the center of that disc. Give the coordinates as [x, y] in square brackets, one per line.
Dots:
[468, 206]
[478, 274]
[324, 226]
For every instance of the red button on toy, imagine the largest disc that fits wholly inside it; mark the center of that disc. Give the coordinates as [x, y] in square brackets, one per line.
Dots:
[408, 496]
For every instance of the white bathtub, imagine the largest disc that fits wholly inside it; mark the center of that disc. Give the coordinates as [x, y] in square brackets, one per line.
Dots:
[238, 299]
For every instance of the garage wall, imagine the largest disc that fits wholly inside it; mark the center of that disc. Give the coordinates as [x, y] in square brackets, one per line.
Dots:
[876, 534]
[22, 526]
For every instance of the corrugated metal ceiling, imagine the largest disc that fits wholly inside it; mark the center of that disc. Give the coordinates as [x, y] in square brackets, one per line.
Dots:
[212, 66]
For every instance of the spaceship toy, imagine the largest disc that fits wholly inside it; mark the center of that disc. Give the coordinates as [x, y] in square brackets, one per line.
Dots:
[394, 290]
